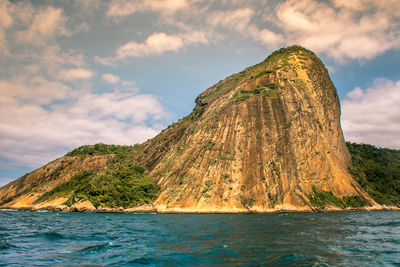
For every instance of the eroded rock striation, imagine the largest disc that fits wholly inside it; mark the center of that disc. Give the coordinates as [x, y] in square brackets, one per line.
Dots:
[265, 139]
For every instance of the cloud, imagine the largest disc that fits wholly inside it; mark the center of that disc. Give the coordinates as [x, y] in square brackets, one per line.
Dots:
[106, 61]
[155, 44]
[389, 6]
[121, 106]
[5, 21]
[159, 43]
[54, 56]
[354, 5]
[42, 120]
[194, 37]
[51, 61]
[35, 90]
[266, 37]
[46, 23]
[339, 29]
[110, 78]
[373, 115]
[75, 74]
[343, 30]
[240, 21]
[124, 8]
[5, 17]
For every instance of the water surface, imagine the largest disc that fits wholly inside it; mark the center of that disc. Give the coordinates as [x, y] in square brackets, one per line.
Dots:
[319, 239]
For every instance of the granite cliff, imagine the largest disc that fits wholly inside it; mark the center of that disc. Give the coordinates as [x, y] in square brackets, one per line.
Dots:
[258, 141]
[265, 139]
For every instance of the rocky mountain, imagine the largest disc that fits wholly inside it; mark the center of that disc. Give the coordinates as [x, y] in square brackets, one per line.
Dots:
[265, 139]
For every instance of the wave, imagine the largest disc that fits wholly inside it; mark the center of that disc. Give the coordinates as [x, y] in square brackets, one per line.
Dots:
[94, 248]
[389, 224]
[295, 257]
[5, 245]
[53, 235]
[144, 261]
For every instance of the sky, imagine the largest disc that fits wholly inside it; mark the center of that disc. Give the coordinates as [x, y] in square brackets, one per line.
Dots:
[117, 72]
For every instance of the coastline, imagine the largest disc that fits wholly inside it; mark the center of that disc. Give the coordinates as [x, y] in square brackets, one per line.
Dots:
[151, 209]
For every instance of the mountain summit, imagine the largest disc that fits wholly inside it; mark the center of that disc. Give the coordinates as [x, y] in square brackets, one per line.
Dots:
[265, 139]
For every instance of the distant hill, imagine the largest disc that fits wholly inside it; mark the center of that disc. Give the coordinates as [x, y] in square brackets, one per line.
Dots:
[265, 139]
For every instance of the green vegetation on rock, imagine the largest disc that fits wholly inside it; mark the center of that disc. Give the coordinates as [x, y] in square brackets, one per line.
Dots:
[323, 198]
[283, 53]
[121, 183]
[103, 149]
[261, 74]
[269, 90]
[377, 170]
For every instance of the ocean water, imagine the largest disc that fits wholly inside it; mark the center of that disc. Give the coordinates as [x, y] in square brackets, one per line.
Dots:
[306, 239]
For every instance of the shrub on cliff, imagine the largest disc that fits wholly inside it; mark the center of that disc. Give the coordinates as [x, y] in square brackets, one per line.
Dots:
[378, 171]
[120, 185]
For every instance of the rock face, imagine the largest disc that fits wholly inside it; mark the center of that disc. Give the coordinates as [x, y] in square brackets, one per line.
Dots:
[265, 139]
[257, 141]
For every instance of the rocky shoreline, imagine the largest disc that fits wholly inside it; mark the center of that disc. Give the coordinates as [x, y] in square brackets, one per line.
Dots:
[86, 206]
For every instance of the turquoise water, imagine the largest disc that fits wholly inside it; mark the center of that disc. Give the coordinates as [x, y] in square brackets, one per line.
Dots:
[50, 238]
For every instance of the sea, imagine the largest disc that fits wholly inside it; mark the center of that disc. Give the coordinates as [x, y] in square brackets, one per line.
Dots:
[289, 239]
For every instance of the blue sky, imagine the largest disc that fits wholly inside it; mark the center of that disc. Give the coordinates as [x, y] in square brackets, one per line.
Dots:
[83, 72]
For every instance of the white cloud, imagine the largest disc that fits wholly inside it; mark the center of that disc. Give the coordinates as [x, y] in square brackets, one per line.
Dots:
[106, 61]
[124, 8]
[122, 106]
[53, 55]
[392, 7]
[23, 12]
[52, 61]
[30, 25]
[159, 43]
[75, 74]
[344, 32]
[110, 78]
[373, 115]
[240, 21]
[266, 36]
[354, 4]
[5, 17]
[46, 23]
[31, 89]
[35, 129]
[5, 22]
[155, 44]
[193, 37]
